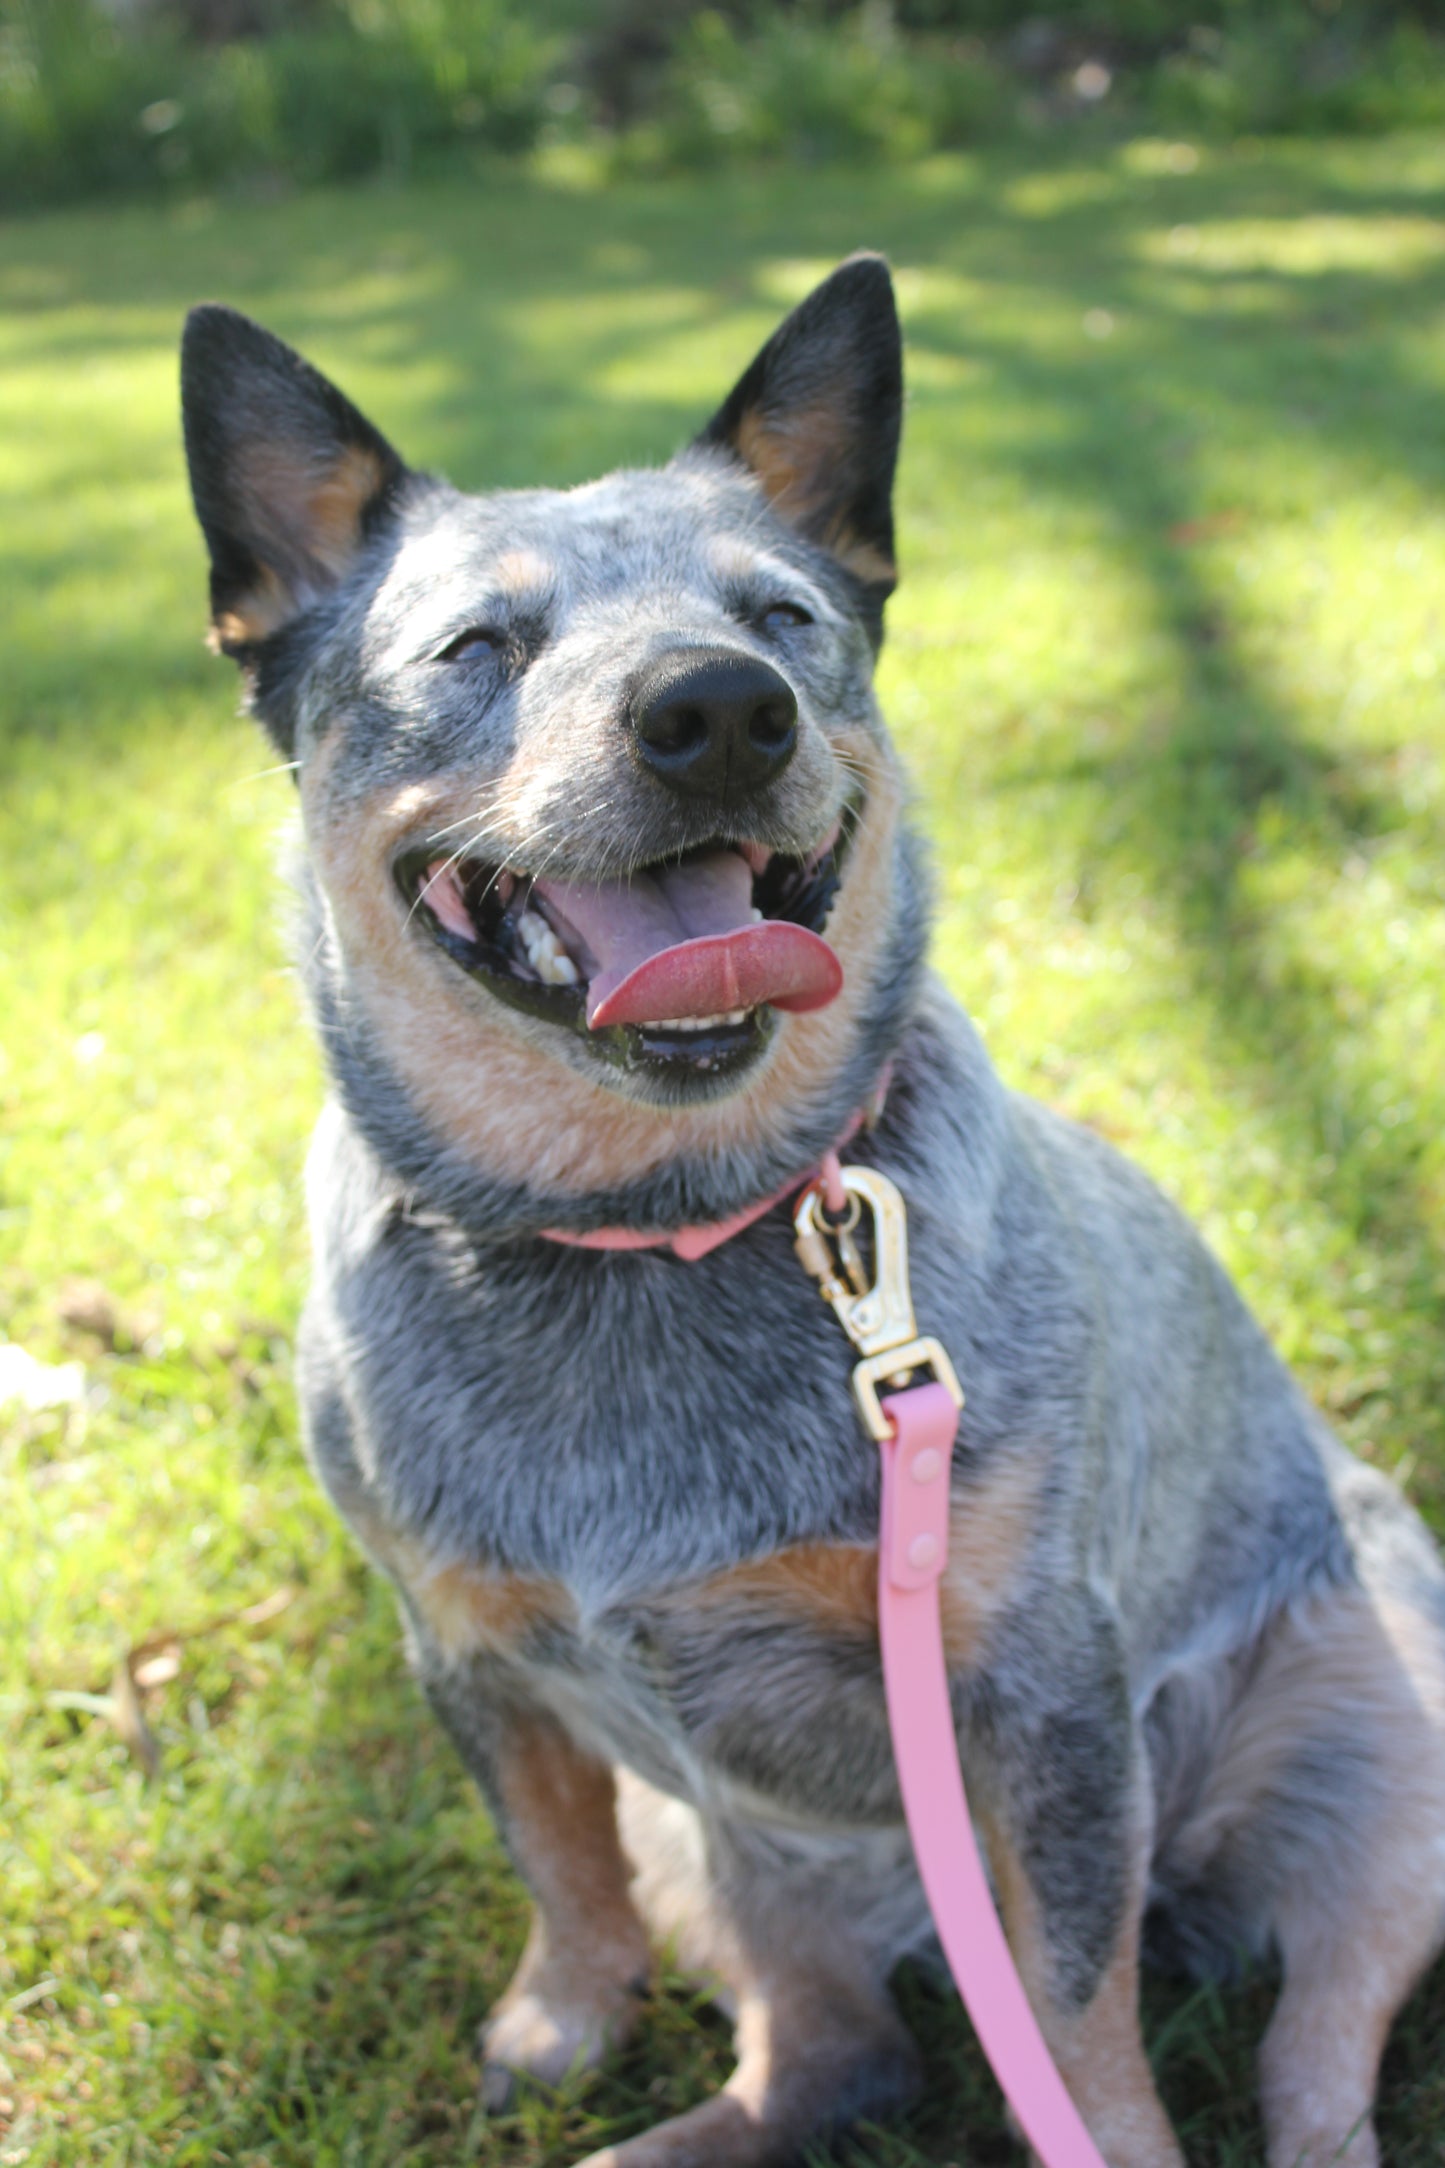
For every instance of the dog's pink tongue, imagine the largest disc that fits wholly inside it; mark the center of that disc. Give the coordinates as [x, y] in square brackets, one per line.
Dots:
[683, 942]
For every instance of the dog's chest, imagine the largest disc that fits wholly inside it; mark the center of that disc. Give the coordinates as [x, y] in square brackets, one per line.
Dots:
[643, 1488]
[613, 1426]
[762, 1680]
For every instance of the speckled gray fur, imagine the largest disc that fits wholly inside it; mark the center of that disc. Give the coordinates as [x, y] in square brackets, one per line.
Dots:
[626, 1424]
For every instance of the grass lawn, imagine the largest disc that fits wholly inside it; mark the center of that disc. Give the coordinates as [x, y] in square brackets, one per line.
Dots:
[1167, 664]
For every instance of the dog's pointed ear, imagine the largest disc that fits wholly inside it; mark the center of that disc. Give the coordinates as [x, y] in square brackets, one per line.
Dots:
[817, 419]
[288, 478]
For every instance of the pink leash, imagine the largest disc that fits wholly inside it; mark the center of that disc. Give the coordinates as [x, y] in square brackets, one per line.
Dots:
[912, 1554]
[915, 1428]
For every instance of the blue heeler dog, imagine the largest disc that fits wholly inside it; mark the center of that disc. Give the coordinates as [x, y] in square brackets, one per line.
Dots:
[614, 920]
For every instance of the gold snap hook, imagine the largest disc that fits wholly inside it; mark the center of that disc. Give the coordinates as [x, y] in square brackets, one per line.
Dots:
[877, 1312]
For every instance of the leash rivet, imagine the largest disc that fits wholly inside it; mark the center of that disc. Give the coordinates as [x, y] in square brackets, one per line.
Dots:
[927, 1465]
[922, 1551]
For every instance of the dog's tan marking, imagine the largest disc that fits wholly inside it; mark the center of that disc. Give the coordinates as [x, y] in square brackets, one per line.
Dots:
[334, 503]
[560, 1807]
[575, 1994]
[1366, 1911]
[322, 507]
[797, 459]
[471, 1612]
[468, 1610]
[513, 1108]
[1100, 2049]
[324, 510]
[263, 611]
[992, 1526]
[863, 559]
[835, 1585]
[522, 570]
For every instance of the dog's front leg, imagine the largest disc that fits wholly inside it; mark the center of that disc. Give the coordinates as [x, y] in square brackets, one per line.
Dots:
[1068, 1830]
[819, 2041]
[577, 1992]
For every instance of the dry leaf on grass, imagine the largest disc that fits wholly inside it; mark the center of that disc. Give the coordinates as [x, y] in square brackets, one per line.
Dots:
[87, 1306]
[153, 1663]
[158, 1649]
[128, 1718]
[157, 1670]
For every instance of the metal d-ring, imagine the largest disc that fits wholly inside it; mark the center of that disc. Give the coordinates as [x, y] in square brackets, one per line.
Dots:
[847, 1219]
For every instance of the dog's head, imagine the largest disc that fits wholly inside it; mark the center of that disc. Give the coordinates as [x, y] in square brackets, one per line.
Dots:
[604, 821]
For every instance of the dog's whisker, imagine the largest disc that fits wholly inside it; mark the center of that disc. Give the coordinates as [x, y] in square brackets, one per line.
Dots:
[259, 775]
[437, 874]
[503, 801]
[449, 828]
[484, 826]
[855, 763]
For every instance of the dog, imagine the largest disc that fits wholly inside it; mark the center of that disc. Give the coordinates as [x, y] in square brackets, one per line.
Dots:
[614, 922]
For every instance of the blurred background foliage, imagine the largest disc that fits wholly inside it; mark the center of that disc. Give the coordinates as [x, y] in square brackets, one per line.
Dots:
[105, 95]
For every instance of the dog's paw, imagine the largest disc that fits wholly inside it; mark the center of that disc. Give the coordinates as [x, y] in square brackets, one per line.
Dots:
[1325, 2147]
[722, 2133]
[545, 2039]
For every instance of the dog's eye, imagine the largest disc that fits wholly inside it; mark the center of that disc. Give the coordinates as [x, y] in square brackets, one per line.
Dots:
[476, 640]
[783, 616]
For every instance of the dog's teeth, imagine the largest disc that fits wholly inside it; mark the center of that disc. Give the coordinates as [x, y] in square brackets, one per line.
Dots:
[537, 938]
[701, 1023]
[756, 915]
[545, 953]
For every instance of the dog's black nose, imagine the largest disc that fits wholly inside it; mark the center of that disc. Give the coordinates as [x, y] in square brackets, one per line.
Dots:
[714, 724]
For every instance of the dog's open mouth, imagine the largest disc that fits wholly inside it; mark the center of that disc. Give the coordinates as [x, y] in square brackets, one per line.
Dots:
[683, 963]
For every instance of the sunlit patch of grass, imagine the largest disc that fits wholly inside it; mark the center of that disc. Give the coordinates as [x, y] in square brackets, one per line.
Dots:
[1166, 664]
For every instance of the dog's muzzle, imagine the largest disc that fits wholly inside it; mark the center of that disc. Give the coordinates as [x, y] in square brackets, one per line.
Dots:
[683, 964]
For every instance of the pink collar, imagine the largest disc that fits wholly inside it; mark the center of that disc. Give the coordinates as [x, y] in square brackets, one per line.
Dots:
[691, 1243]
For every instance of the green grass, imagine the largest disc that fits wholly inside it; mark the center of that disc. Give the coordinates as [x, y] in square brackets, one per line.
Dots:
[1167, 664]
